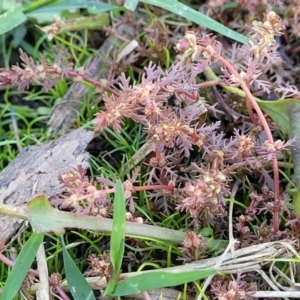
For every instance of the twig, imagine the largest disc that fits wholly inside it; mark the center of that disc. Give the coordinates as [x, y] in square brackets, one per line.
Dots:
[44, 288]
[217, 266]
[230, 228]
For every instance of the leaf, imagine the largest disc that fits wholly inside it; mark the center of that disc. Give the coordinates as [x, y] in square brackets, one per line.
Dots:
[279, 112]
[117, 237]
[118, 230]
[217, 245]
[286, 114]
[77, 284]
[19, 35]
[131, 4]
[189, 13]
[8, 4]
[158, 279]
[93, 6]
[11, 19]
[38, 4]
[21, 267]
[45, 218]
[294, 132]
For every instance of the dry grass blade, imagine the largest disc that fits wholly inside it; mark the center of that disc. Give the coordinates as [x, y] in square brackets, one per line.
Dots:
[248, 259]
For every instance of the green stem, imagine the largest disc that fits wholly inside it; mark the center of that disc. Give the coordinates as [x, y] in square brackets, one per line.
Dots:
[44, 218]
[82, 23]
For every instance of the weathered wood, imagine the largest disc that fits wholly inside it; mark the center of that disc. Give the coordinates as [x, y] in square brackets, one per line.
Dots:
[35, 170]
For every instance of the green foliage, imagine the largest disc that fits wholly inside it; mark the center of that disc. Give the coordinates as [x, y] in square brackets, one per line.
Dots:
[279, 112]
[58, 6]
[157, 279]
[131, 4]
[21, 267]
[24, 121]
[78, 285]
[11, 19]
[44, 218]
[117, 238]
[18, 15]
[118, 230]
[294, 132]
[185, 11]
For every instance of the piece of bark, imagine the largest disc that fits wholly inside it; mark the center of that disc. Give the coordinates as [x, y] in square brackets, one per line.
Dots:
[35, 170]
[65, 113]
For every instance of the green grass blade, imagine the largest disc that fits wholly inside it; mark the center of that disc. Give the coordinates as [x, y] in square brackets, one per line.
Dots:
[78, 286]
[93, 6]
[158, 279]
[118, 230]
[279, 112]
[117, 237]
[11, 19]
[131, 4]
[21, 267]
[37, 4]
[189, 13]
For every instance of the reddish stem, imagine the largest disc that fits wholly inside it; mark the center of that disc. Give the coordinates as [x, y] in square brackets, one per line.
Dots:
[265, 125]
[136, 189]
[95, 82]
[249, 107]
[253, 160]
[139, 188]
[152, 187]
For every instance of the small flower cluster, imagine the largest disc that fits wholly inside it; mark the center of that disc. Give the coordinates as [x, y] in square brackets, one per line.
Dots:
[247, 146]
[99, 265]
[148, 103]
[252, 59]
[231, 290]
[263, 202]
[241, 225]
[263, 34]
[261, 52]
[252, 6]
[87, 197]
[205, 50]
[204, 194]
[193, 247]
[45, 72]
[81, 195]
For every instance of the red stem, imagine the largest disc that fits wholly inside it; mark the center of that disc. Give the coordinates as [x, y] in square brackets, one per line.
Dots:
[152, 187]
[250, 98]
